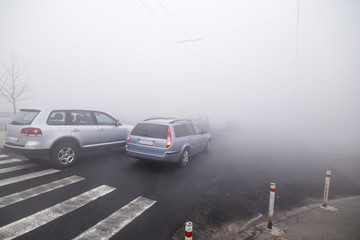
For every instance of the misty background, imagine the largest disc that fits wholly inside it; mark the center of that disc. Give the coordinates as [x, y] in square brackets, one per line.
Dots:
[282, 67]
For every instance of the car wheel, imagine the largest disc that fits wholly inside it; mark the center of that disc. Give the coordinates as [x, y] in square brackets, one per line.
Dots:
[64, 155]
[184, 158]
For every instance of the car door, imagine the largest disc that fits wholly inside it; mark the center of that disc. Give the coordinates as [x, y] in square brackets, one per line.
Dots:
[182, 137]
[83, 128]
[193, 139]
[109, 129]
[200, 138]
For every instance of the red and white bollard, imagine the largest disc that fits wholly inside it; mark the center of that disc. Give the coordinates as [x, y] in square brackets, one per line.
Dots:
[326, 190]
[188, 230]
[271, 205]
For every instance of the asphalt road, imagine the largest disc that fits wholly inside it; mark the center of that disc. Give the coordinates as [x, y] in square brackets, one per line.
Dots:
[230, 184]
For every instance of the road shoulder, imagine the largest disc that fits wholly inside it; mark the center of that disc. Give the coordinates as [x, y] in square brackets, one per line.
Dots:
[339, 221]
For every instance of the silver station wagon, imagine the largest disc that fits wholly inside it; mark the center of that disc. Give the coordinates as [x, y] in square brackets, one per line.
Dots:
[60, 135]
[171, 140]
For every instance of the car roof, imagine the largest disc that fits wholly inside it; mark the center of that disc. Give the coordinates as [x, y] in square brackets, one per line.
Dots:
[167, 120]
[57, 109]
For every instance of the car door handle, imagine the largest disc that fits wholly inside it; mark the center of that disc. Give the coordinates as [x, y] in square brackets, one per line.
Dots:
[102, 129]
[76, 130]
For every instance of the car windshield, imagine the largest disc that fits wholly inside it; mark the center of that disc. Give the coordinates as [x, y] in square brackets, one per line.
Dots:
[150, 130]
[24, 117]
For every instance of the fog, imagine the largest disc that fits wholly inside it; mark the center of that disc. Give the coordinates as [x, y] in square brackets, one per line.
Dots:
[256, 63]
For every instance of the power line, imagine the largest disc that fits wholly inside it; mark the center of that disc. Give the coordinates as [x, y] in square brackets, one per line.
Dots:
[173, 18]
[186, 33]
[277, 20]
[157, 18]
[249, 27]
[328, 6]
[219, 34]
[167, 28]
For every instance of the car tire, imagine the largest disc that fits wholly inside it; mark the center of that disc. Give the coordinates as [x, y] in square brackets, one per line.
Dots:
[64, 155]
[184, 158]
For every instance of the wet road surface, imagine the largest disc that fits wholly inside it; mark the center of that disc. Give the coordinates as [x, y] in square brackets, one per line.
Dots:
[147, 200]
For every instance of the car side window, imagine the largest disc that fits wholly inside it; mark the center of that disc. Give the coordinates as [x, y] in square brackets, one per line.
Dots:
[197, 129]
[57, 118]
[190, 129]
[104, 119]
[81, 118]
[181, 131]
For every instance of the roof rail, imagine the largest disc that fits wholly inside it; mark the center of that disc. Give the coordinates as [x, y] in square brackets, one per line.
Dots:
[154, 118]
[176, 120]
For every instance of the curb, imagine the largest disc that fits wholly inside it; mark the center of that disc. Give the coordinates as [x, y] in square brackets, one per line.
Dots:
[254, 231]
[256, 228]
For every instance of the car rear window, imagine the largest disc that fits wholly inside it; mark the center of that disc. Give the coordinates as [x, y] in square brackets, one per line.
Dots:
[24, 117]
[150, 130]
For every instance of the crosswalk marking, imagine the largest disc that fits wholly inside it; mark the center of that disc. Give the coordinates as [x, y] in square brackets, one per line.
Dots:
[104, 229]
[11, 160]
[38, 219]
[27, 176]
[118, 220]
[15, 168]
[32, 192]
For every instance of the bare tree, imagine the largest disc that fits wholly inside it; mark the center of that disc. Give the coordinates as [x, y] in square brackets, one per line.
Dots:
[12, 85]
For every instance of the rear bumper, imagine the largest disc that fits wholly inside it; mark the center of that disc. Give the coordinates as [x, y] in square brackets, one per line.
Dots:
[32, 153]
[165, 157]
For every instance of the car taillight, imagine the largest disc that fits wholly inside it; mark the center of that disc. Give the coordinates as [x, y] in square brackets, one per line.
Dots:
[168, 139]
[128, 138]
[31, 132]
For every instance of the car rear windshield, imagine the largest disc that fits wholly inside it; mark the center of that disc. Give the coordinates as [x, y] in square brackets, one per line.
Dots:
[24, 117]
[150, 130]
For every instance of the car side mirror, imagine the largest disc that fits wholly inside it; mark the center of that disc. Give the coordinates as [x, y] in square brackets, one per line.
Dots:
[118, 122]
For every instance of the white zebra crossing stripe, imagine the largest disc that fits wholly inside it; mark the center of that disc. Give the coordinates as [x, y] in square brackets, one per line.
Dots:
[3, 155]
[118, 220]
[11, 160]
[15, 168]
[24, 177]
[38, 219]
[32, 192]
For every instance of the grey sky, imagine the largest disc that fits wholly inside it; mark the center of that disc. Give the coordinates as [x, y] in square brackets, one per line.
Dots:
[124, 57]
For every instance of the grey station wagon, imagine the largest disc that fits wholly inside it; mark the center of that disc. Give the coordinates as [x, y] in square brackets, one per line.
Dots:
[59, 135]
[171, 140]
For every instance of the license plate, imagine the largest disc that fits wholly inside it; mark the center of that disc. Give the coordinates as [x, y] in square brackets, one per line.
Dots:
[14, 139]
[146, 142]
